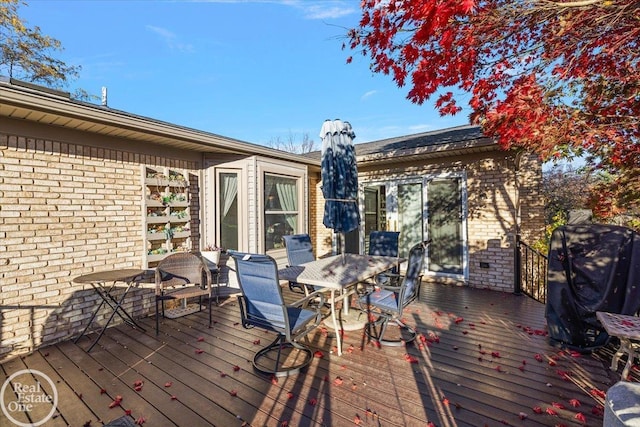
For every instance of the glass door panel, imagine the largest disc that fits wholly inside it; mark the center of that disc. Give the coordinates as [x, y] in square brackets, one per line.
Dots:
[228, 210]
[445, 226]
[410, 216]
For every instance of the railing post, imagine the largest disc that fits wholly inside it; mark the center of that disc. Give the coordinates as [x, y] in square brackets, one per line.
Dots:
[517, 267]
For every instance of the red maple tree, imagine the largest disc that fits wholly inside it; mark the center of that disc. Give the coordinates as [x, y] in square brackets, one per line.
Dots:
[557, 77]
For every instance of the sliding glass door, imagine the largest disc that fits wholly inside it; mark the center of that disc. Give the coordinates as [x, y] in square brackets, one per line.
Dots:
[422, 208]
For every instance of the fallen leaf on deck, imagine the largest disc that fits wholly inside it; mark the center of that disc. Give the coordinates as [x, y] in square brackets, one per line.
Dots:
[580, 417]
[318, 354]
[233, 393]
[200, 339]
[313, 401]
[141, 420]
[551, 411]
[357, 420]
[574, 402]
[236, 368]
[116, 402]
[338, 381]
[168, 384]
[409, 358]
[199, 351]
[290, 395]
[537, 409]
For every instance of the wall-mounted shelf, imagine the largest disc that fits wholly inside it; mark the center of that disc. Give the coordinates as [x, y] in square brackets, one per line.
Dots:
[167, 217]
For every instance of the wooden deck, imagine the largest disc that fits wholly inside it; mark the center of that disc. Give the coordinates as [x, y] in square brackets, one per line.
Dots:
[484, 362]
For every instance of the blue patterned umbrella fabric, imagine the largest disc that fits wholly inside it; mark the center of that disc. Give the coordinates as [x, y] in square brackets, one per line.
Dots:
[339, 177]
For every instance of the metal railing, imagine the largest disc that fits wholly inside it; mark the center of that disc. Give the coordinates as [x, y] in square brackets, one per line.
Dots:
[530, 271]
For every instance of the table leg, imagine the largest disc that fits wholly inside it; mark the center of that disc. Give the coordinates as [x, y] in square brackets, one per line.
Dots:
[334, 317]
[619, 353]
[95, 313]
[115, 310]
[631, 351]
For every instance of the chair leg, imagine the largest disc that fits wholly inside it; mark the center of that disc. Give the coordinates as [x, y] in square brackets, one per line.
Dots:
[406, 333]
[263, 359]
[157, 318]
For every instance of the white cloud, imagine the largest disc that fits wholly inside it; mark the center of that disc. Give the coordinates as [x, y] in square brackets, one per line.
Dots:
[368, 94]
[170, 39]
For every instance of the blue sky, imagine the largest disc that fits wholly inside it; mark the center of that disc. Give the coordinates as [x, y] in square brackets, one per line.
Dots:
[256, 71]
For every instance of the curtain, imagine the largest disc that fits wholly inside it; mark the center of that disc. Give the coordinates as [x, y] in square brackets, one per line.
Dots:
[229, 184]
[288, 199]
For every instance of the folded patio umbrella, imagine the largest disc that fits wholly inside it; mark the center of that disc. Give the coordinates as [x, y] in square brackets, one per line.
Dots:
[339, 178]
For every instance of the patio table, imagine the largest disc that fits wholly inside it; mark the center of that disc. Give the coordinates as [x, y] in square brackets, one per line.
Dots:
[104, 283]
[627, 329]
[340, 275]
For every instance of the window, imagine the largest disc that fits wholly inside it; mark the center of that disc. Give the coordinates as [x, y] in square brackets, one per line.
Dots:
[281, 215]
[228, 212]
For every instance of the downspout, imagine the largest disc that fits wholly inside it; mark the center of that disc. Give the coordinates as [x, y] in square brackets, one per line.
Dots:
[517, 279]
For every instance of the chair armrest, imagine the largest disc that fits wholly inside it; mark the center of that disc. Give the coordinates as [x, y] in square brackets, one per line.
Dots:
[312, 296]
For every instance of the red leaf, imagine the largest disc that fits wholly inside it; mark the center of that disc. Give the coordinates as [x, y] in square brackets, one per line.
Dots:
[338, 381]
[537, 409]
[233, 393]
[538, 357]
[356, 420]
[459, 320]
[274, 380]
[409, 358]
[313, 401]
[137, 383]
[495, 354]
[551, 411]
[200, 339]
[236, 368]
[557, 405]
[199, 351]
[141, 420]
[256, 342]
[580, 417]
[597, 393]
[574, 402]
[174, 397]
[168, 384]
[290, 395]
[318, 354]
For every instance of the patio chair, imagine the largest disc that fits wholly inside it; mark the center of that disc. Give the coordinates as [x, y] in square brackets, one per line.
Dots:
[262, 305]
[389, 302]
[385, 243]
[180, 276]
[299, 250]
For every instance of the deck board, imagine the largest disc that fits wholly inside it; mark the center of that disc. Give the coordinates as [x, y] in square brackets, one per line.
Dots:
[456, 380]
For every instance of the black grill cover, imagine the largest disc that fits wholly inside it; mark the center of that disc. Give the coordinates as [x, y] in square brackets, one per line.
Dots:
[592, 267]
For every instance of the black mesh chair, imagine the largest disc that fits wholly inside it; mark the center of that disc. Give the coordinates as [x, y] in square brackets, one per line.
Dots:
[388, 302]
[262, 306]
[385, 243]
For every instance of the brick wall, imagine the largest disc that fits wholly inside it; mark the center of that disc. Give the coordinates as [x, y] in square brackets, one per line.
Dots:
[498, 201]
[66, 209]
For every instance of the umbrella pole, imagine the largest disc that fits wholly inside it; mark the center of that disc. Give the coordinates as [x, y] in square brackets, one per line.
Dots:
[342, 248]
